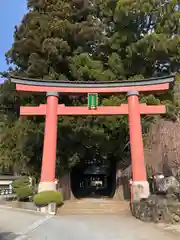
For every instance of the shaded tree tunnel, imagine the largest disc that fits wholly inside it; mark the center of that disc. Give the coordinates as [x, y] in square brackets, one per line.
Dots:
[94, 179]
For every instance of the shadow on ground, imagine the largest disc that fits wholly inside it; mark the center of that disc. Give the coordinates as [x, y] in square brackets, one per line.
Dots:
[7, 235]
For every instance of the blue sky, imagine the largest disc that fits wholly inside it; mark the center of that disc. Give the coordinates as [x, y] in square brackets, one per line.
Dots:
[11, 13]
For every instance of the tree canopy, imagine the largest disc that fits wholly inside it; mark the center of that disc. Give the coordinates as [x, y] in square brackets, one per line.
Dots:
[85, 40]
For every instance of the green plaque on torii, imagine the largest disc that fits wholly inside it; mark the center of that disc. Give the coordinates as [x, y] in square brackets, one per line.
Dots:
[92, 100]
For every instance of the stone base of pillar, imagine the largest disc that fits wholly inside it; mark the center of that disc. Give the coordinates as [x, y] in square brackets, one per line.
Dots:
[46, 186]
[43, 210]
[140, 190]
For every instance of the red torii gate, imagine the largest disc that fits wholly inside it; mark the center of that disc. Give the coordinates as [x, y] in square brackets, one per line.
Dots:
[133, 109]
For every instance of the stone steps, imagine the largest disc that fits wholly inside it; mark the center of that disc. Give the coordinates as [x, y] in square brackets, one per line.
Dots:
[93, 206]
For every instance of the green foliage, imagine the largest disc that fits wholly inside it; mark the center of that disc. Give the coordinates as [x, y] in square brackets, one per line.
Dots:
[24, 192]
[22, 188]
[21, 182]
[86, 40]
[44, 198]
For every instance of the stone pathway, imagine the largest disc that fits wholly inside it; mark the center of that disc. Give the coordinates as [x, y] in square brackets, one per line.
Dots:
[93, 206]
[19, 225]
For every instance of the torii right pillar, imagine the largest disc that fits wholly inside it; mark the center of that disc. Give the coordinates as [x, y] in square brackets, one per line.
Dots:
[140, 185]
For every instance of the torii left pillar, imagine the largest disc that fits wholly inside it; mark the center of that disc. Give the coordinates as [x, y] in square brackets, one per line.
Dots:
[47, 181]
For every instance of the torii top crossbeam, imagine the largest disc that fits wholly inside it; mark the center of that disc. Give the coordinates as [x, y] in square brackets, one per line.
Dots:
[160, 84]
[81, 87]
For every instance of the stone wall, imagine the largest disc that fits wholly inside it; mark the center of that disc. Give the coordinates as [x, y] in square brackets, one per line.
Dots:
[157, 209]
[22, 205]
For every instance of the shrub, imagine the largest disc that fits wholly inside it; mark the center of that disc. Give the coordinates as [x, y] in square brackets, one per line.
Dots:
[21, 182]
[44, 198]
[22, 188]
[24, 192]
